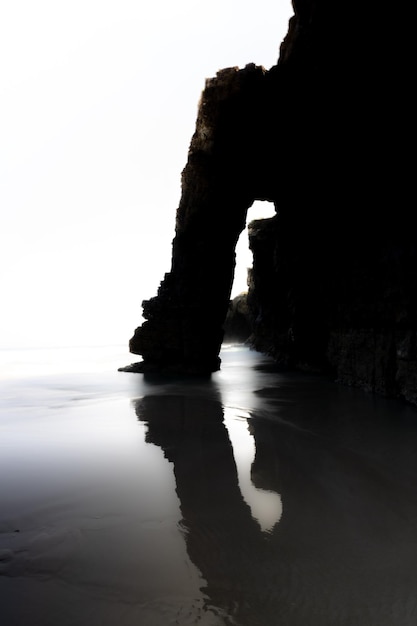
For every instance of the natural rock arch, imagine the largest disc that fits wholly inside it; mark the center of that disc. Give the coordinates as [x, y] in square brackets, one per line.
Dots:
[224, 175]
[323, 135]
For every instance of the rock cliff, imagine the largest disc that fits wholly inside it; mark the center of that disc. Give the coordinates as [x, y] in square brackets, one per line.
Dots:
[325, 135]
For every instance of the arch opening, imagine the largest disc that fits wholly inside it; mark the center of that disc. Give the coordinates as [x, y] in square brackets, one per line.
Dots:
[260, 209]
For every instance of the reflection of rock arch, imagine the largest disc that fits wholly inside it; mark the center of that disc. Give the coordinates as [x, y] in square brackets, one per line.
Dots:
[223, 540]
[330, 561]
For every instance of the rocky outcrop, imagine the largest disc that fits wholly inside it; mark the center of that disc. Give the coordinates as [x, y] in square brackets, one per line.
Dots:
[238, 323]
[322, 135]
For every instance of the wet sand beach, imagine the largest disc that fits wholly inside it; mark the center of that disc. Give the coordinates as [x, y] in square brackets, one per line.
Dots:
[250, 498]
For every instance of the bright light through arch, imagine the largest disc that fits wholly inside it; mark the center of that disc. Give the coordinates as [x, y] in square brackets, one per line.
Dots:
[260, 209]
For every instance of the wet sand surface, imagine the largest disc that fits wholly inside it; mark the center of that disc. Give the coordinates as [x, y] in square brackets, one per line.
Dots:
[250, 498]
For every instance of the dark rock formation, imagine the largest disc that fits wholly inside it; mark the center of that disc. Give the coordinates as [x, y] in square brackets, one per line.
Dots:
[184, 327]
[238, 323]
[323, 135]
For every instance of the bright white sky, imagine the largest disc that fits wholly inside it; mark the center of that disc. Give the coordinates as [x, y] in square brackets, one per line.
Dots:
[98, 101]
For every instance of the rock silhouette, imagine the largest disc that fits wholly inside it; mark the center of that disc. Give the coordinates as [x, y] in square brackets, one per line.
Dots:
[323, 136]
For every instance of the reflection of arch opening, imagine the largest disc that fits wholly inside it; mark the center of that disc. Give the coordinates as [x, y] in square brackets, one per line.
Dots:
[260, 209]
[265, 505]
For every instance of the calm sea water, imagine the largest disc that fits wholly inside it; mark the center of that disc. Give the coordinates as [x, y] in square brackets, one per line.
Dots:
[247, 498]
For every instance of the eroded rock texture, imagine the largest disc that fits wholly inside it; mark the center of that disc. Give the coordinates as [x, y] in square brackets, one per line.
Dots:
[326, 136]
